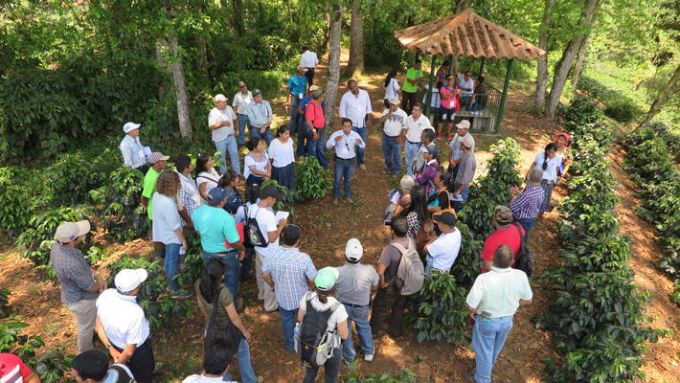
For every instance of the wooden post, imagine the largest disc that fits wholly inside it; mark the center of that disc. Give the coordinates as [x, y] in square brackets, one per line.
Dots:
[481, 66]
[428, 99]
[501, 108]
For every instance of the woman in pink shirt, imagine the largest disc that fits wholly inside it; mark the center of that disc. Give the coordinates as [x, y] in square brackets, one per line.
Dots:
[450, 95]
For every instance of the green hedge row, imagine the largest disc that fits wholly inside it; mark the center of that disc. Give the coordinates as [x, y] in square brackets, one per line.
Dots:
[596, 311]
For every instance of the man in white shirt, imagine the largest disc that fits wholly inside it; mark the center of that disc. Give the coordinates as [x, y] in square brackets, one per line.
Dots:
[270, 230]
[492, 302]
[309, 60]
[122, 326]
[467, 87]
[443, 251]
[345, 143]
[221, 122]
[131, 148]
[456, 151]
[394, 122]
[241, 100]
[415, 124]
[356, 106]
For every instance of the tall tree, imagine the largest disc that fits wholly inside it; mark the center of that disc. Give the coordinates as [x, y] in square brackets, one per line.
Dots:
[672, 87]
[356, 46]
[565, 64]
[542, 68]
[179, 82]
[335, 29]
[580, 60]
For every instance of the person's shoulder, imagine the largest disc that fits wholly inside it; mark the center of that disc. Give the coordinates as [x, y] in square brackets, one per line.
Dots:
[192, 379]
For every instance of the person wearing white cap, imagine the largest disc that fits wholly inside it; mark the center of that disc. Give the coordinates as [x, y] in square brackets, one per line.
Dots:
[79, 287]
[456, 152]
[123, 327]
[221, 122]
[297, 87]
[241, 100]
[394, 125]
[353, 289]
[465, 174]
[131, 148]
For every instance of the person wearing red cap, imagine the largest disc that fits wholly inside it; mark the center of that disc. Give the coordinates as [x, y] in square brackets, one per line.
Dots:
[14, 370]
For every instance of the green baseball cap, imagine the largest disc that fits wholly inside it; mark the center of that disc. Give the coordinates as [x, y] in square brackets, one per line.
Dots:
[325, 278]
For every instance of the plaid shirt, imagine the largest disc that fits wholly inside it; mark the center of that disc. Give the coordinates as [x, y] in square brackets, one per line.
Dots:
[188, 194]
[73, 272]
[290, 269]
[528, 204]
[132, 151]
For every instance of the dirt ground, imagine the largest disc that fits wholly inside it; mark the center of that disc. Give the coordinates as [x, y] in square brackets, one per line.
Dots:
[326, 229]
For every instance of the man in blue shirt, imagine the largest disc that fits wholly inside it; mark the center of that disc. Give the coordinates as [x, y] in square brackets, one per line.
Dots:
[297, 87]
[260, 117]
[217, 228]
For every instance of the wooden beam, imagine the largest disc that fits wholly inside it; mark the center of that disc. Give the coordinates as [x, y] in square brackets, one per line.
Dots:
[502, 51]
[466, 42]
[488, 47]
[475, 34]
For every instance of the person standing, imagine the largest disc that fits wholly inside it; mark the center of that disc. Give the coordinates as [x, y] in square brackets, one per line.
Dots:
[443, 250]
[207, 177]
[131, 148]
[394, 123]
[463, 130]
[492, 303]
[344, 142]
[297, 87]
[316, 123]
[122, 326]
[392, 88]
[409, 91]
[427, 141]
[416, 123]
[256, 164]
[93, 367]
[450, 105]
[506, 233]
[221, 122]
[158, 162]
[270, 230]
[260, 117]
[282, 155]
[242, 99]
[354, 292]
[217, 228]
[355, 105]
[443, 73]
[549, 162]
[14, 370]
[526, 206]
[288, 271]
[188, 192]
[309, 60]
[79, 287]
[466, 173]
[467, 87]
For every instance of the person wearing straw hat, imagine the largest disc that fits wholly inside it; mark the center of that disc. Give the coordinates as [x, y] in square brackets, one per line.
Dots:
[131, 148]
[322, 300]
[79, 287]
[123, 327]
[354, 292]
[394, 123]
[221, 122]
[507, 233]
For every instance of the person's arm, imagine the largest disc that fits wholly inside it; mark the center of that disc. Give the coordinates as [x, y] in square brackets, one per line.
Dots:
[361, 143]
[127, 354]
[268, 278]
[269, 170]
[180, 234]
[524, 302]
[184, 213]
[33, 378]
[343, 330]
[330, 144]
[99, 329]
[214, 122]
[386, 116]
[380, 269]
[236, 320]
[270, 114]
[273, 235]
[343, 106]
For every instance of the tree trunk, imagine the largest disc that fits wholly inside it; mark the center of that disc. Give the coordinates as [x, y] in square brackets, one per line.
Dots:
[580, 60]
[542, 69]
[335, 30]
[164, 65]
[672, 87]
[179, 82]
[356, 48]
[566, 62]
[236, 18]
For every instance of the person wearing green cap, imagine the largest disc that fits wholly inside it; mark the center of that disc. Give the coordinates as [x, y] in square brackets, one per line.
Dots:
[322, 300]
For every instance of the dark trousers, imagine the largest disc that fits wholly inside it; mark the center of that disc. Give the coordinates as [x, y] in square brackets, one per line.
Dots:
[407, 101]
[310, 76]
[142, 363]
[285, 176]
[331, 370]
[388, 306]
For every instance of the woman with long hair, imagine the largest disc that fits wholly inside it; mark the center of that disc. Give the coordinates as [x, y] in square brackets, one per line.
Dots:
[282, 155]
[217, 305]
[416, 214]
[391, 86]
[207, 177]
[257, 165]
[549, 162]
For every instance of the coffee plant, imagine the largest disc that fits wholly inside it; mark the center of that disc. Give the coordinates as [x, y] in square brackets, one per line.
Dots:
[468, 264]
[4, 303]
[286, 197]
[441, 314]
[16, 205]
[580, 112]
[404, 377]
[312, 180]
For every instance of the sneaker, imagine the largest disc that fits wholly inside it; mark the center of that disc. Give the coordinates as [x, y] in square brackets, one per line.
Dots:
[449, 137]
[363, 166]
[368, 357]
[437, 136]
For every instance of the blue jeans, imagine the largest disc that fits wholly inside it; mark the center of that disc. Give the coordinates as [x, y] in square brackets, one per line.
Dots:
[363, 133]
[411, 152]
[232, 272]
[255, 133]
[317, 149]
[288, 327]
[294, 121]
[360, 316]
[229, 144]
[527, 224]
[458, 205]
[242, 122]
[343, 169]
[392, 154]
[303, 136]
[245, 368]
[488, 338]
[171, 264]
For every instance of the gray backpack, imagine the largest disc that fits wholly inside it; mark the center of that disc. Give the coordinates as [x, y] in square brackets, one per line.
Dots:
[410, 272]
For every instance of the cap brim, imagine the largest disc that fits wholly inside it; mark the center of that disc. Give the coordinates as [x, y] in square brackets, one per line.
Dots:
[142, 274]
[164, 158]
[83, 227]
[460, 126]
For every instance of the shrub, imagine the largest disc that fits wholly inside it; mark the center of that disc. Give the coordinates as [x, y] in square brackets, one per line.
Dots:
[286, 197]
[16, 206]
[581, 111]
[4, 303]
[621, 109]
[468, 264]
[72, 176]
[312, 180]
[404, 377]
[441, 312]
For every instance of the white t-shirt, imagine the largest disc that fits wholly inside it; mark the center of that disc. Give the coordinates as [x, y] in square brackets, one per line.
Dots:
[281, 153]
[209, 179]
[259, 164]
[241, 101]
[216, 116]
[396, 123]
[166, 219]
[122, 318]
[414, 129]
[339, 315]
[309, 59]
[200, 378]
[550, 173]
[392, 89]
[468, 84]
[444, 250]
[266, 221]
[499, 291]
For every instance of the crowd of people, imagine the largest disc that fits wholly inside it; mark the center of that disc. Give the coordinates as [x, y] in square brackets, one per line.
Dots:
[319, 308]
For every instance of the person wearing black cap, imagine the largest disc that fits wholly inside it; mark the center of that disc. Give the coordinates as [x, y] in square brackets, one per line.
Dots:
[443, 250]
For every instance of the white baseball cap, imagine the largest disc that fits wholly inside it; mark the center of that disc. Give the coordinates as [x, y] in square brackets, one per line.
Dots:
[354, 251]
[129, 279]
[220, 97]
[464, 124]
[70, 231]
[130, 126]
[468, 141]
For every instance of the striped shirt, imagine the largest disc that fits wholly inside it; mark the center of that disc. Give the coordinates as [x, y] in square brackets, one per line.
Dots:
[133, 152]
[528, 204]
[188, 194]
[290, 269]
[73, 273]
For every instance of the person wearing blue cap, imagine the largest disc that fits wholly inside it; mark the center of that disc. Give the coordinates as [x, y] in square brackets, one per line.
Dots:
[217, 228]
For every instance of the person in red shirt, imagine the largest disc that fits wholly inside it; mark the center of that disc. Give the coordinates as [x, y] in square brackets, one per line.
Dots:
[13, 370]
[506, 233]
[316, 122]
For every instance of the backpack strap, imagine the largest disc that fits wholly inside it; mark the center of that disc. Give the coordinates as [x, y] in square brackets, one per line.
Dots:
[519, 228]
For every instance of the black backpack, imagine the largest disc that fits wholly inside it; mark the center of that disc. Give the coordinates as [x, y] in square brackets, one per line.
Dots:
[524, 261]
[314, 339]
[252, 230]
